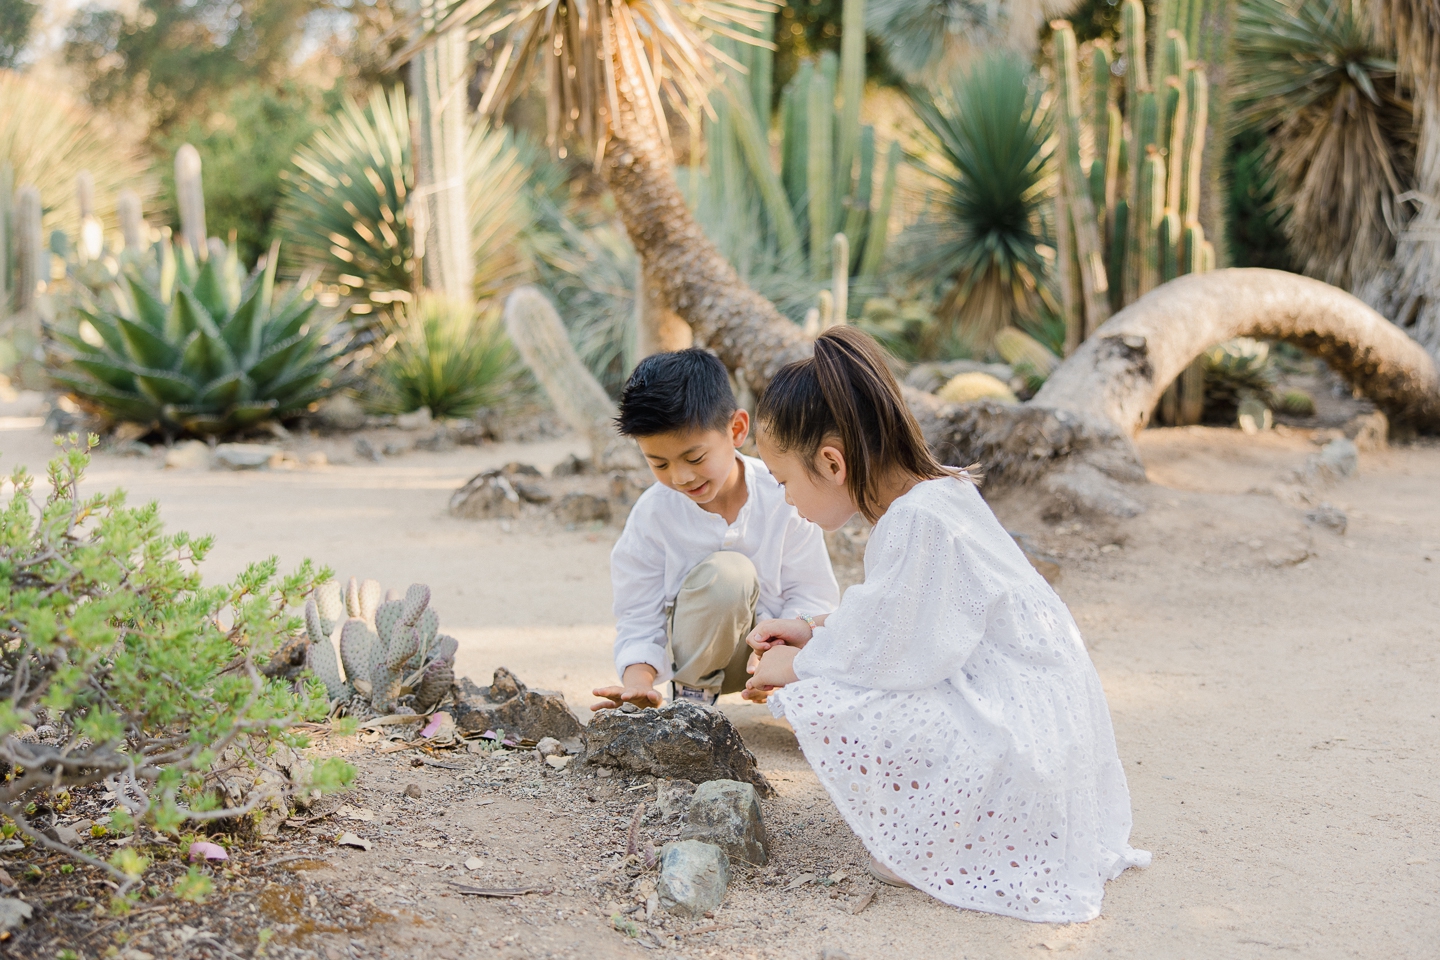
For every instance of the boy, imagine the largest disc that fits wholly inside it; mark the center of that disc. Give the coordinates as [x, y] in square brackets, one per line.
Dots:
[709, 548]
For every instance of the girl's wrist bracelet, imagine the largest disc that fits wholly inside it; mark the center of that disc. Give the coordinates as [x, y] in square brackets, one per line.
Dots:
[809, 621]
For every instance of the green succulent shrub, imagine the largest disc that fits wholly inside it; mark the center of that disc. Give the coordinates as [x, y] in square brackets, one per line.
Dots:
[1237, 370]
[120, 666]
[442, 355]
[198, 348]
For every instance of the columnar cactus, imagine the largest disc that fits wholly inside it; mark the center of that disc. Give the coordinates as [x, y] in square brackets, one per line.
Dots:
[190, 197]
[1142, 190]
[31, 259]
[92, 233]
[132, 221]
[388, 650]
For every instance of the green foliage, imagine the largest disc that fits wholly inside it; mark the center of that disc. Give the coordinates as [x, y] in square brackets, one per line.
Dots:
[1237, 370]
[108, 635]
[17, 17]
[194, 886]
[245, 142]
[48, 140]
[174, 59]
[1254, 219]
[345, 201]
[442, 356]
[1315, 78]
[979, 247]
[916, 33]
[197, 348]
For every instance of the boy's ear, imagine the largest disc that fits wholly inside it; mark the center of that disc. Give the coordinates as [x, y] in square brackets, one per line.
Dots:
[739, 428]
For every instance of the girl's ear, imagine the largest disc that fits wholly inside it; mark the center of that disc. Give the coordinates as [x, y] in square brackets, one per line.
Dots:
[830, 462]
[739, 428]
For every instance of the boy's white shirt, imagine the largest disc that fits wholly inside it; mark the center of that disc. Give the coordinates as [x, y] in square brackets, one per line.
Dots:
[668, 534]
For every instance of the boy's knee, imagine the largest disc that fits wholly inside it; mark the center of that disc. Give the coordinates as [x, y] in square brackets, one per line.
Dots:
[725, 572]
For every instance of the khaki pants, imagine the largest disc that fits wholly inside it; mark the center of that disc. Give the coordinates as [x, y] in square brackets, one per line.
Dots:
[712, 615]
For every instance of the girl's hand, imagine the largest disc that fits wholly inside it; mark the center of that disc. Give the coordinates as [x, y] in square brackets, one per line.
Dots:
[779, 633]
[775, 669]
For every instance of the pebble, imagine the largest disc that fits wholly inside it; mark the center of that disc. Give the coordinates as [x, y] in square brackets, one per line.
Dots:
[245, 456]
[412, 790]
[187, 455]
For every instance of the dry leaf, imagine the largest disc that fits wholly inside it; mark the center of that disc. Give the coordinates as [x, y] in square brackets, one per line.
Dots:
[350, 840]
[347, 812]
[559, 763]
[800, 881]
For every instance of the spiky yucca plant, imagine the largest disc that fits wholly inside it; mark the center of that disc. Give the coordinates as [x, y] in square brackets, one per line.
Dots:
[443, 356]
[198, 348]
[1312, 75]
[990, 160]
[348, 204]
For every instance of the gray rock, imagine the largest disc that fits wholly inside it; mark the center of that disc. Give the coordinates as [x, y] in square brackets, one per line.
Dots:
[187, 455]
[672, 797]
[582, 508]
[532, 492]
[681, 740]
[573, 466]
[485, 497]
[1081, 489]
[244, 456]
[1046, 565]
[14, 912]
[1368, 431]
[1337, 460]
[549, 747]
[727, 814]
[365, 450]
[507, 704]
[694, 877]
[415, 419]
[1329, 517]
[340, 412]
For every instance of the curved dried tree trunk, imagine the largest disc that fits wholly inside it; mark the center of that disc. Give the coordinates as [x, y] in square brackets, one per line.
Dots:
[1120, 374]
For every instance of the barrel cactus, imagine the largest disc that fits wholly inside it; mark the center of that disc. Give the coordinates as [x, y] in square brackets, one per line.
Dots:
[196, 347]
[388, 650]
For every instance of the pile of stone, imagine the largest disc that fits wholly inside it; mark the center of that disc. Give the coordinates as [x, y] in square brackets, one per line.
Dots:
[574, 494]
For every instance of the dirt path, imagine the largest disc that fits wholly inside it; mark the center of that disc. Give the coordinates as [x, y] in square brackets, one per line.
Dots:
[1273, 686]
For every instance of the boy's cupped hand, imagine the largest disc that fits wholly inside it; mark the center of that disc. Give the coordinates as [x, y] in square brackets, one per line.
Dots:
[637, 686]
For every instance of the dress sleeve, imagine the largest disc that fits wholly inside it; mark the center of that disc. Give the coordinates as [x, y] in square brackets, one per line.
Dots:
[807, 580]
[637, 579]
[915, 620]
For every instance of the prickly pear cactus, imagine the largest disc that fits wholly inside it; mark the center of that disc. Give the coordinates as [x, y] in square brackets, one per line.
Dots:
[389, 651]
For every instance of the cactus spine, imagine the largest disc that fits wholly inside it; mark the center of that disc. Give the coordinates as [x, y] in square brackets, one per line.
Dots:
[1140, 196]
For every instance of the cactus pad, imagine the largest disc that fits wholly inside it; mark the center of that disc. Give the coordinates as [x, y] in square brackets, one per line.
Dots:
[369, 600]
[417, 598]
[330, 605]
[320, 658]
[439, 676]
[388, 618]
[405, 645]
[357, 645]
[445, 648]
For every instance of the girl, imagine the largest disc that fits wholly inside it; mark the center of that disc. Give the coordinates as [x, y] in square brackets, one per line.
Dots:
[948, 704]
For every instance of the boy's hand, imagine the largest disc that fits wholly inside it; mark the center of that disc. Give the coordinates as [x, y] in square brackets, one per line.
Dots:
[638, 687]
[775, 669]
[779, 633]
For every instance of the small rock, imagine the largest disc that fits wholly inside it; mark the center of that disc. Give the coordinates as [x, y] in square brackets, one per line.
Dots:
[727, 814]
[412, 790]
[365, 450]
[1081, 489]
[672, 797]
[1329, 517]
[339, 412]
[187, 455]
[396, 449]
[582, 508]
[415, 419]
[1368, 431]
[694, 877]
[572, 466]
[833, 953]
[14, 912]
[67, 834]
[507, 704]
[128, 432]
[245, 456]
[532, 492]
[1336, 460]
[317, 459]
[474, 863]
[486, 497]
[549, 747]
[559, 763]
[438, 442]
[680, 740]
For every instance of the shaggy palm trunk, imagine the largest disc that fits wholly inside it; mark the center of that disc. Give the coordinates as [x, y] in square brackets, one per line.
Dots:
[1417, 251]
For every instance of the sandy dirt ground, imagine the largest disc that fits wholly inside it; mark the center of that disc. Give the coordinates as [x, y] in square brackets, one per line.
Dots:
[1273, 683]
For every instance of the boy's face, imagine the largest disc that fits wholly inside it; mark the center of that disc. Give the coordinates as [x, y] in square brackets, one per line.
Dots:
[698, 463]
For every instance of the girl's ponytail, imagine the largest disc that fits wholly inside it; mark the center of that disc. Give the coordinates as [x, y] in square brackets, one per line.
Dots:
[846, 394]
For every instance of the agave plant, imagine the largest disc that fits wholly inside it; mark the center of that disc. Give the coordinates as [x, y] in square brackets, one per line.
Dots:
[198, 348]
[981, 244]
[442, 356]
[348, 204]
[1341, 130]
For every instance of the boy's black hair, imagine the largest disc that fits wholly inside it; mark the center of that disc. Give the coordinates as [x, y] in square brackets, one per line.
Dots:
[684, 390]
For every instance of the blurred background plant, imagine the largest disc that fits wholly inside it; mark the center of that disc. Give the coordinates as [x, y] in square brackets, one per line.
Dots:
[982, 245]
[439, 354]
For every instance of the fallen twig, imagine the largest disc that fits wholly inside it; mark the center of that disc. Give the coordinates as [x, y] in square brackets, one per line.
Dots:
[863, 902]
[298, 856]
[708, 928]
[499, 891]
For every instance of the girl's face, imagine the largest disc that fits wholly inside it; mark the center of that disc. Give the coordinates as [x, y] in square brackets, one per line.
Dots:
[816, 490]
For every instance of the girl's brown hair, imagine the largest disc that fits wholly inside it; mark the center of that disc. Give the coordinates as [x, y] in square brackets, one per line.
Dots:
[846, 394]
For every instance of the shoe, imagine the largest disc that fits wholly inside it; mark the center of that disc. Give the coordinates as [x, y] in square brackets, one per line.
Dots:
[705, 698]
[884, 874]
